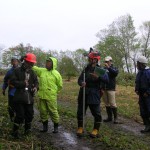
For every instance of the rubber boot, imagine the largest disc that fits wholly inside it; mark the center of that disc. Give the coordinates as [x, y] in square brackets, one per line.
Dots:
[45, 126]
[114, 110]
[95, 131]
[55, 128]
[15, 132]
[80, 129]
[147, 125]
[27, 128]
[109, 113]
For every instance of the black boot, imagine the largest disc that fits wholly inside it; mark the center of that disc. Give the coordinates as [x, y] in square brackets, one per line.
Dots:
[95, 131]
[27, 128]
[146, 122]
[45, 126]
[109, 113]
[15, 132]
[114, 110]
[55, 128]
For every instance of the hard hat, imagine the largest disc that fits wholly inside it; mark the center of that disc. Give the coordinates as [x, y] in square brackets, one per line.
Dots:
[142, 59]
[108, 58]
[94, 55]
[30, 57]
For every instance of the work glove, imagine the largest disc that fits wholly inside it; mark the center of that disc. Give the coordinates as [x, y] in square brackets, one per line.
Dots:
[3, 92]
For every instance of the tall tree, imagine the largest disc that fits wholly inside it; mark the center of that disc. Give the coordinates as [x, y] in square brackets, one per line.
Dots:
[145, 39]
[119, 40]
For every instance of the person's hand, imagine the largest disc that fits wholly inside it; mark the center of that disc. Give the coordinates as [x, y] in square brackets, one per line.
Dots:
[34, 90]
[94, 75]
[137, 92]
[26, 82]
[145, 94]
[3, 92]
[106, 65]
[83, 84]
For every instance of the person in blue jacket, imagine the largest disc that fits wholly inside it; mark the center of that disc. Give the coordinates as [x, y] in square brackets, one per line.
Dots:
[142, 88]
[11, 89]
[92, 86]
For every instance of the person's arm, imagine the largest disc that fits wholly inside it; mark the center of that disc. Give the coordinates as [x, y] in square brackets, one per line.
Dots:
[5, 83]
[113, 71]
[104, 78]
[14, 81]
[59, 82]
[37, 70]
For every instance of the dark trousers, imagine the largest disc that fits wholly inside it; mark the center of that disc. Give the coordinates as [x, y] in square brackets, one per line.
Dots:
[24, 112]
[94, 108]
[11, 110]
[144, 103]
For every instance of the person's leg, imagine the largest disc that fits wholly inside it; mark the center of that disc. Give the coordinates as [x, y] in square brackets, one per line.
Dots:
[108, 108]
[19, 119]
[29, 112]
[80, 129]
[53, 112]
[11, 108]
[144, 104]
[44, 114]
[96, 112]
[112, 100]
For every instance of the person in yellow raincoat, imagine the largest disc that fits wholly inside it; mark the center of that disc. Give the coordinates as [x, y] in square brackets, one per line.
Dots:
[50, 83]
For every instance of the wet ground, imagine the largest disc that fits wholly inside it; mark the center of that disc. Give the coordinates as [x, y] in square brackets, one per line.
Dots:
[67, 139]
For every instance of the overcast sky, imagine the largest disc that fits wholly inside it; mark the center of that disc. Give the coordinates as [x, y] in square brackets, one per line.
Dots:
[63, 24]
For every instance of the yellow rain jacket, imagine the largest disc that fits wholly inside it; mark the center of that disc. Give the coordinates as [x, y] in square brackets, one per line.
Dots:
[50, 81]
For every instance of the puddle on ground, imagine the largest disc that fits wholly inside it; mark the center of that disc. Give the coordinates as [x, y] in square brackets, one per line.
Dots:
[70, 139]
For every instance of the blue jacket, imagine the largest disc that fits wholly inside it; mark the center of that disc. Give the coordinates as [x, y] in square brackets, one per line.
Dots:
[93, 86]
[11, 90]
[112, 74]
[142, 82]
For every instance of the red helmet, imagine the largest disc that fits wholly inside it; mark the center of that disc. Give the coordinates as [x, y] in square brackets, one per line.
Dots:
[30, 57]
[94, 55]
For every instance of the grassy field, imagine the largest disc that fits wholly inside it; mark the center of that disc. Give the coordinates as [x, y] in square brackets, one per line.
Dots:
[127, 102]
[126, 99]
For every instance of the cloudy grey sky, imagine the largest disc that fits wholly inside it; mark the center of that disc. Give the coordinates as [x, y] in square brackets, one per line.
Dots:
[63, 24]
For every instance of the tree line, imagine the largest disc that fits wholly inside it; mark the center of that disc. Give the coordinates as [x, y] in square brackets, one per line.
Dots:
[120, 40]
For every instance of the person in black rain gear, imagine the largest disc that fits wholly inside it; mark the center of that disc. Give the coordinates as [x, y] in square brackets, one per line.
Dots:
[92, 85]
[142, 88]
[26, 84]
[11, 89]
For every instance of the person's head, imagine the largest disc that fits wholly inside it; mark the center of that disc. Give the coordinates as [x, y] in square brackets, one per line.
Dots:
[141, 62]
[108, 60]
[14, 62]
[29, 60]
[49, 64]
[93, 58]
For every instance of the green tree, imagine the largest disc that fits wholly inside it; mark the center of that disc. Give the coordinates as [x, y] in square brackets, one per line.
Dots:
[67, 67]
[120, 40]
[145, 39]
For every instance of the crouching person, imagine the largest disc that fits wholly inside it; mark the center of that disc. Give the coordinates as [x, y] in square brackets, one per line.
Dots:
[26, 83]
[142, 88]
[50, 83]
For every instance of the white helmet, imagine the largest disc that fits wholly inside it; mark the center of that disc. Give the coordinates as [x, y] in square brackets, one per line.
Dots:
[108, 58]
[142, 59]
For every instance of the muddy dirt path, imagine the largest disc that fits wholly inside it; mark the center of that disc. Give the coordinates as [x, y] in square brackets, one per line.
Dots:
[66, 139]
[63, 140]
